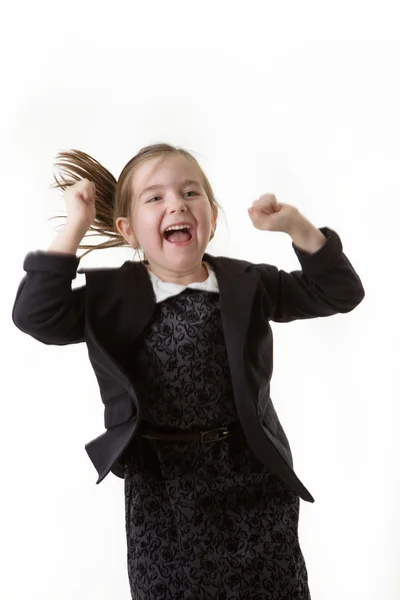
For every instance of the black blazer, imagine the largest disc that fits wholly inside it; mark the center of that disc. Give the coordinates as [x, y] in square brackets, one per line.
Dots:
[113, 308]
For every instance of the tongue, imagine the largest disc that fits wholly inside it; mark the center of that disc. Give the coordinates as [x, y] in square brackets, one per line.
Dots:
[179, 236]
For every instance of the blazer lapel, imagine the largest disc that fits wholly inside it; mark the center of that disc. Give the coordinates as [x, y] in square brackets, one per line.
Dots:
[134, 299]
[127, 303]
[237, 288]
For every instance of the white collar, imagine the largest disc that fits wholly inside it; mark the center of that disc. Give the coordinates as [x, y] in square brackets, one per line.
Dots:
[165, 289]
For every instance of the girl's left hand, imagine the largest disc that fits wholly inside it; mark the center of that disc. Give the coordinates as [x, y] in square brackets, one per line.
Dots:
[268, 214]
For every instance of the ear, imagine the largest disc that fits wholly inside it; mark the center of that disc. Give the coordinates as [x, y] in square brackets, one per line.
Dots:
[126, 230]
[214, 216]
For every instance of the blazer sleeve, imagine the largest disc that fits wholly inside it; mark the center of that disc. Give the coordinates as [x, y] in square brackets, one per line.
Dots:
[46, 307]
[326, 285]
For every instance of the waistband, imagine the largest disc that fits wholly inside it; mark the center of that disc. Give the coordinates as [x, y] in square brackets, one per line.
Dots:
[205, 436]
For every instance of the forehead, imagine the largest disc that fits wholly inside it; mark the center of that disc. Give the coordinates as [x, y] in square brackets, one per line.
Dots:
[173, 167]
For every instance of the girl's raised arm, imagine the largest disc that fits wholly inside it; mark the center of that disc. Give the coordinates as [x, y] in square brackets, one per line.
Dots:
[46, 307]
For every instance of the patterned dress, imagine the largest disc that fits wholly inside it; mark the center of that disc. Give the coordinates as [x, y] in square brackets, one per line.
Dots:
[203, 521]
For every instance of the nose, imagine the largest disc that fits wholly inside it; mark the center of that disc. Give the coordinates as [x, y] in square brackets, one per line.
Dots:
[176, 204]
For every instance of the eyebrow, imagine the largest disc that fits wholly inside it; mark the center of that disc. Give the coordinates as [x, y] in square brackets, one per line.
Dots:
[158, 185]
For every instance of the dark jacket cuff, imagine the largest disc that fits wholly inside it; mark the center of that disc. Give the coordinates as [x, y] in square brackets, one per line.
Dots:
[53, 262]
[323, 259]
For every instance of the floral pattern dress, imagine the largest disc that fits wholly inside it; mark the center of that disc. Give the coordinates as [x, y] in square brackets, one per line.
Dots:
[203, 521]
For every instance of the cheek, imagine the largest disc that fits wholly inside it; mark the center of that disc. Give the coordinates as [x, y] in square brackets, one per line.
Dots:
[207, 216]
[148, 227]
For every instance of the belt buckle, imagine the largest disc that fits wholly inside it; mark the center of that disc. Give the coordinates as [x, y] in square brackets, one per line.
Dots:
[215, 437]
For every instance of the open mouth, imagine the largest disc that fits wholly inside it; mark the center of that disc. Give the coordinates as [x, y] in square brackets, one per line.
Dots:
[181, 234]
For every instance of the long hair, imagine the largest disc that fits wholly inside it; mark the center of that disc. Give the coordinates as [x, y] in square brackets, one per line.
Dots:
[114, 197]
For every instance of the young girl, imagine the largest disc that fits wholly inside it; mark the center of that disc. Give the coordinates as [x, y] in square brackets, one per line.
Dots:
[181, 346]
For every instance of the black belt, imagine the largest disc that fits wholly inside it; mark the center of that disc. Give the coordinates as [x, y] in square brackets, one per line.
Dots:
[205, 437]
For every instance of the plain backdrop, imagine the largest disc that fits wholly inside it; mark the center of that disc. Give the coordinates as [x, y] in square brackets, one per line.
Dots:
[298, 99]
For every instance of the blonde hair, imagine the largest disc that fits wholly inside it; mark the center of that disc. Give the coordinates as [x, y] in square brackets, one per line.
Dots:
[114, 198]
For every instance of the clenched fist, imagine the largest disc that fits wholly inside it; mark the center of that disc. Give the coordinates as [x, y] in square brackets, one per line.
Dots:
[80, 203]
[268, 214]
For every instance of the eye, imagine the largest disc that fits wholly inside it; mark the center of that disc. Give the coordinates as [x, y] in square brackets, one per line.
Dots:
[190, 192]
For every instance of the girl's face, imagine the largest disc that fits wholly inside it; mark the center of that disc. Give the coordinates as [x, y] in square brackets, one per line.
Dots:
[177, 197]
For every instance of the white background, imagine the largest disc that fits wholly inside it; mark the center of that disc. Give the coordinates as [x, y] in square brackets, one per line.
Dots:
[299, 99]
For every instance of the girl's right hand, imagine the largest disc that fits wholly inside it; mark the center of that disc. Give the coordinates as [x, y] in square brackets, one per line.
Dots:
[80, 202]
